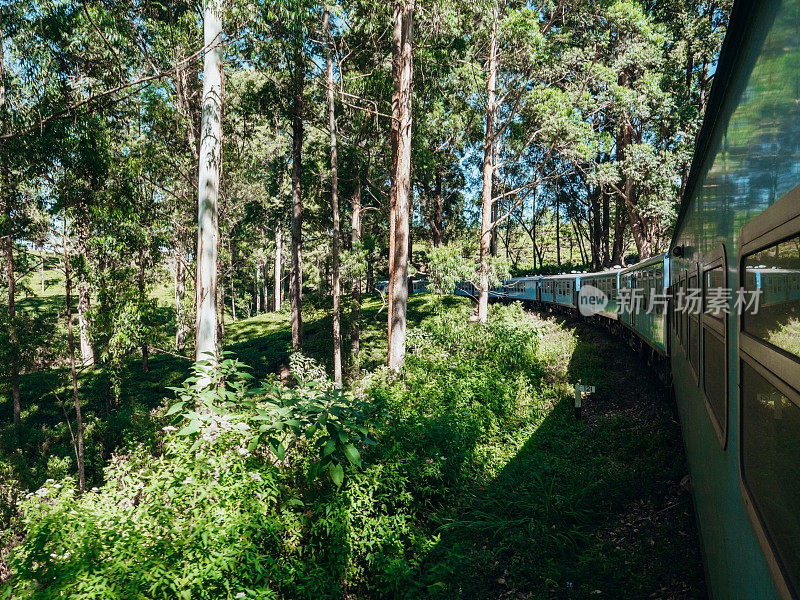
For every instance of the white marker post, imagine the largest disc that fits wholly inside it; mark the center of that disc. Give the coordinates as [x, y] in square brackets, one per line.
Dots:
[580, 390]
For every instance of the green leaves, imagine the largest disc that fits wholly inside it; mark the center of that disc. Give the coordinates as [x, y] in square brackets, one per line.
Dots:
[276, 418]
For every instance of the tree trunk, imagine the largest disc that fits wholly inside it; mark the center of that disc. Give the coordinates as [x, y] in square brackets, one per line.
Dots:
[8, 246]
[606, 258]
[296, 279]
[42, 268]
[400, 191]
[355, 242]
[278, 267]
[596, 229]
[180, 294]
[79, 451]
[206, 325]
[142, 298]
[488, 174]
[438, 221]
[337, 317]
[617, 257]
[558, 230]
[231, 282]
[257, 289]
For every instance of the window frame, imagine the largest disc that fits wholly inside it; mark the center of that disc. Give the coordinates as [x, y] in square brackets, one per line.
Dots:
[694, 271]
[718, 327]
[780, 222]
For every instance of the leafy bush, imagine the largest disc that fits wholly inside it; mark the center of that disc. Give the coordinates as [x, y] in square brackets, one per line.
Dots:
[279, 492]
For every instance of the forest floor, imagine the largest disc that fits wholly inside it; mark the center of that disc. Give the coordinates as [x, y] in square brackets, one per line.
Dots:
[553, 508]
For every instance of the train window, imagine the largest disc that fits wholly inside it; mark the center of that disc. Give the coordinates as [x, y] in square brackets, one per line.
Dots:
[769, 347]
[770, 275]
[716, 305]
[693, 329]
[770, 469]
[682, 313]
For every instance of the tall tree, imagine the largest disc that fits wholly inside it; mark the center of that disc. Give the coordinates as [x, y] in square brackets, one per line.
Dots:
[208, 186]
[296, 278]
[336, 284]
[400, 191]
[487, 201]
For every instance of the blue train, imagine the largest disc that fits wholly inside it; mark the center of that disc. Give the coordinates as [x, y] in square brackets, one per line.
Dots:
[720, 312]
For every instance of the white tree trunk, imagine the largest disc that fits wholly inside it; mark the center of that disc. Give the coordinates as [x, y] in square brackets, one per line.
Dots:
[208, 187]
[278, 267]
[335, 283]
[87, 351]
[400, 192]
[488, 174]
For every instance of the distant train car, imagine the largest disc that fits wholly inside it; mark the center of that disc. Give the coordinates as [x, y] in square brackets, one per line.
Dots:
[522, 288]
[416, 286]
[420, 286]
[560, 289]
[643, 300]
[608, 283]
[470, 290]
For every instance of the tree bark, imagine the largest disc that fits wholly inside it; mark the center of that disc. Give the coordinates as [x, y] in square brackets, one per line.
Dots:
[558, 230]
[296, 279]
[13, 338]
[231, 282]
[355, 243]
[278, 267]
[206, 324]
[617, 257]
[180, 294]
[336, 284]
[438, 220]
[8, 246]
[488, 174]
[79, 451]
[142, 299]
[596, 229]
[606, 257]
[257, 289]
[400, 191]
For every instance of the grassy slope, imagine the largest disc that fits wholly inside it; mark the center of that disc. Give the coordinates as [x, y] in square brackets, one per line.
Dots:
[556, 509]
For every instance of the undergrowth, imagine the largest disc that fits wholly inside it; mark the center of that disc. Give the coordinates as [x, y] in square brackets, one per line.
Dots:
[432, 483]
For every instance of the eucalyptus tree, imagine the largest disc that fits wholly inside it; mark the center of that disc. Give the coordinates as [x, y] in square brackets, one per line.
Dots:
[400, 192]
[208, 186]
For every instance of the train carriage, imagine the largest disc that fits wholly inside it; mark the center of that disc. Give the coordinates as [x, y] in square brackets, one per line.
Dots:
[736, 372]
[608, 283]
[522, 288]
[560, 289]
[643, 300]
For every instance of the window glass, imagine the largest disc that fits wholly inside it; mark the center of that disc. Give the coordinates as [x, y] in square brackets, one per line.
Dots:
[714, 373]
[693, 335]
[715, 293]
[773, 275]
[770, 465]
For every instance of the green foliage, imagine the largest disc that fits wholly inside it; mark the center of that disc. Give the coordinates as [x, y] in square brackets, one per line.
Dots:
[286, 421]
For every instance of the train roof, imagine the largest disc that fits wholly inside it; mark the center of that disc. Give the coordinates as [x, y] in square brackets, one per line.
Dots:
[642, 264]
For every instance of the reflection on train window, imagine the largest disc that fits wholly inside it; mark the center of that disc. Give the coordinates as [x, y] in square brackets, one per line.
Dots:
[775, 273]
[714, 375]
[770, 468]
[693, 333]
[715, 306]
[715, 293]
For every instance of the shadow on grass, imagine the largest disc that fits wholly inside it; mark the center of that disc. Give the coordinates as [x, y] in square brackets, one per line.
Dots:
[588, 508]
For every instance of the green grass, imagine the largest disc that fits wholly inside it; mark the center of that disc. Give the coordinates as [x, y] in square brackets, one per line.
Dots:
[482, 485]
